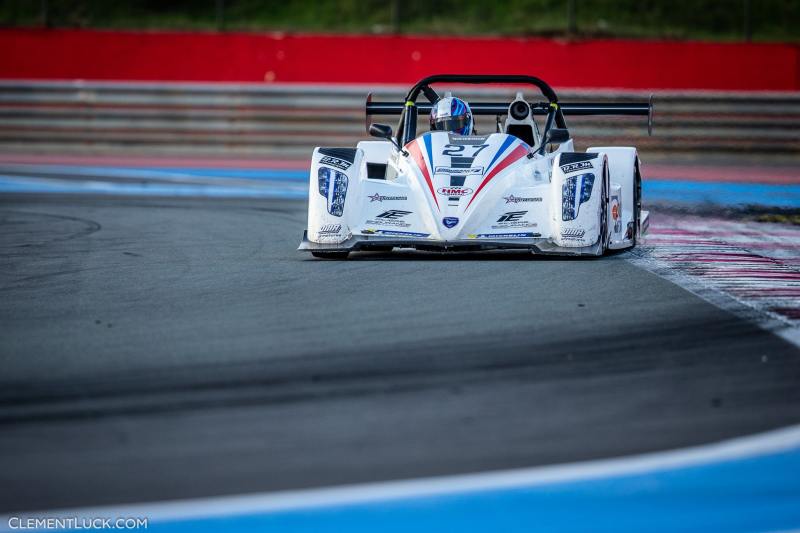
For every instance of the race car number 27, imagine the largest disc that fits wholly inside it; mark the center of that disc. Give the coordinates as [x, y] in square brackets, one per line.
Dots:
[459, 149]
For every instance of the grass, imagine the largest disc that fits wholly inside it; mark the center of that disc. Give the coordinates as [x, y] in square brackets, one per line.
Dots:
[720, 20]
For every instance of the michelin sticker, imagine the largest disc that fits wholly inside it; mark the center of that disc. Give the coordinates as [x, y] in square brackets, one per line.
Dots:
[503, 235]
[393, 233]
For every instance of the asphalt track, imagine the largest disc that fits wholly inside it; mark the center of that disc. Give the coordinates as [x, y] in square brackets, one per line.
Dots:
[155, 349]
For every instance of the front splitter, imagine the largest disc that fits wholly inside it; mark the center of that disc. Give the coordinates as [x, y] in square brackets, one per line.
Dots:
[358, 243]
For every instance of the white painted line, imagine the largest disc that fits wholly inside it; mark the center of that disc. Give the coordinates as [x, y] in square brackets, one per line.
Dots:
[771, 442]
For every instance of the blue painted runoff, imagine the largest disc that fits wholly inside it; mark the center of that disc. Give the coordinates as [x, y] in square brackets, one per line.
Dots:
[721, 193]
[289, 190]
[654, 191]
[747, 495]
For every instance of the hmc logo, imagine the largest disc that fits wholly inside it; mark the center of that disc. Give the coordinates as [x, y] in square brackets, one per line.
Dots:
[454, 191]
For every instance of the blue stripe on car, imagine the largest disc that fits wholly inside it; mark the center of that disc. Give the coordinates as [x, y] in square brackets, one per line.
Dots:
[429, 149]
[508, 142]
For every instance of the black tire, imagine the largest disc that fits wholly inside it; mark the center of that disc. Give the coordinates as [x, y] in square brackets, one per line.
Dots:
[604, 234]
[330, 255]
[637, 200]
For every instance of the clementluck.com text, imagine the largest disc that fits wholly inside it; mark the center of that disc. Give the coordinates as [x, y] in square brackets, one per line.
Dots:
[73, 522]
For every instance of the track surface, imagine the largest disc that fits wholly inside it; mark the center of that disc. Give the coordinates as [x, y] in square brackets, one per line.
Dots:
[157, 348]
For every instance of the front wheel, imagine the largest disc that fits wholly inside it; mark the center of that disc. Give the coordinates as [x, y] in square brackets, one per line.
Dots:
[603, 211]
[330, 255]
[637, 201]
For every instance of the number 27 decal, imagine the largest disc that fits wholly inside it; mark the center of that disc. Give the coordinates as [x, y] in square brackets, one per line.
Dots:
[458, 149]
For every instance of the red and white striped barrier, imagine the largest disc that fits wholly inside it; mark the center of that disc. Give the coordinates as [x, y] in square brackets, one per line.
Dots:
[746, 267]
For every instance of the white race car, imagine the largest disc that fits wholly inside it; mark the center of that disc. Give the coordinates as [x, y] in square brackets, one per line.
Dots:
[518, 188]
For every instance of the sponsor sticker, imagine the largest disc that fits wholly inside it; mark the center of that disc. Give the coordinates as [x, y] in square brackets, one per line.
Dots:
[513, 219]
[454, 191]
[458, 171]
[615, 214]
[335, 162]
[392, 217]
[467, 139]
[381, 198]
[511, 199]
[393, 214]
[574, 167]
[450, 222]
[573, 234]
[331, 233]
[512, 216]
[330, 229]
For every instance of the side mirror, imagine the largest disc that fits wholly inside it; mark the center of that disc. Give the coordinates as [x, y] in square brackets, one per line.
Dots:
[382, 131]
[556, 136]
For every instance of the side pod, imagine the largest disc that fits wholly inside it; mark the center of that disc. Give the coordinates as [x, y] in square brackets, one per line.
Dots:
[333, 187]
[577, 190]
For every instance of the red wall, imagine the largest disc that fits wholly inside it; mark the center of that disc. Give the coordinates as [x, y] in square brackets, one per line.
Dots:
[250, 57]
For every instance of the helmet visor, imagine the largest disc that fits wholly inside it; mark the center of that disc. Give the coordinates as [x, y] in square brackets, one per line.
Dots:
[456, 124]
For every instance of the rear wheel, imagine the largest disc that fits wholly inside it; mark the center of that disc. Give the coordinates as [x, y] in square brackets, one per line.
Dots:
[330, 255]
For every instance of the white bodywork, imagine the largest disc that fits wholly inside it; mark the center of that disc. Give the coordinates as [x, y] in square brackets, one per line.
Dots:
[491, 191]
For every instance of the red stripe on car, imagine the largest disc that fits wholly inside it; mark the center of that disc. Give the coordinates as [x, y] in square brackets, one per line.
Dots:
[519, 152]
[416, 154]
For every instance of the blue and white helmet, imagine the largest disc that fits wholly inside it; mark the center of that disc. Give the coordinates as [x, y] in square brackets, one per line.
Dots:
[451, 114]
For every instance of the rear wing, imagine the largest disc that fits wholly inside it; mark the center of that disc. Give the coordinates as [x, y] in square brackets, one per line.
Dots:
[483, 108]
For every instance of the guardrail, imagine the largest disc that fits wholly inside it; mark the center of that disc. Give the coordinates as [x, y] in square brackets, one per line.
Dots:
[289, 120]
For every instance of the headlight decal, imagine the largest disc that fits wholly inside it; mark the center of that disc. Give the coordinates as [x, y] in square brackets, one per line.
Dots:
[333, 186]
[575, 191]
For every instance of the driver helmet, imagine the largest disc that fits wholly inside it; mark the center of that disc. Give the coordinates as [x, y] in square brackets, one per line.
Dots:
[451, 114]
